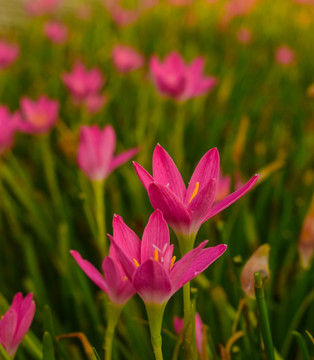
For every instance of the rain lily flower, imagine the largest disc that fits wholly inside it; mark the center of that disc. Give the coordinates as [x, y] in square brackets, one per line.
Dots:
[306, 239]
[115, 283]
[84, 86]
[150, 264]
[40, 7]
[185, 210]
[95, 153]
[285, 56]
[126, 59]
[258, 262]
[38, 116]
[56, 32]
[244, 35]
[178, 325]
[173, 78]
[223, 187]
[235, 8]
[16, 322]
[9, 124]
[8, 53]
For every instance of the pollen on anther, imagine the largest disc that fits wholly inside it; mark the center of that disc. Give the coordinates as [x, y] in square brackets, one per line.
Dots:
[197, 185]
[136, 263]
[156, 254]
[172, 262]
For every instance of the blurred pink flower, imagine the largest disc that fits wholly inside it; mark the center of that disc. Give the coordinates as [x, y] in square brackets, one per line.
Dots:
[84, 12]
[115, 283]
[235, 8]
[186, 209]
[41, 7]
[259, 261]
[244, 35]
[8, 53]
[178, 325]
[223, 187]
[173, 78]
[95, 152]
[285, 56]
[38, 116]
[16, 322]
[126, 59]
[150, 264]
[84, 86]
[180, 2]
[56, 31]
[306, 239]
[9, 124]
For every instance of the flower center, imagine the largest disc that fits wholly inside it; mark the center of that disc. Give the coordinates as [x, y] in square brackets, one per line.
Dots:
[197, 185]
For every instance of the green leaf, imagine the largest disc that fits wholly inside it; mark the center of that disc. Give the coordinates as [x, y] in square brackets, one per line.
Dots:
[302, 345]
[48, 352]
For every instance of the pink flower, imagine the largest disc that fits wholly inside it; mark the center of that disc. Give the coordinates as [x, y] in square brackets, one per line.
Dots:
[16, 322]
[178, 325]
[115, 283]
[9, 124]
[56, 31]
[85, 86]
[244, 35]
[95, 153]
[223, 187]
[149, 263]
[180, 2]
[235, 8]
[306, 239]
[285, 56]
[259, 261]
[186, 210]
[173, 78]
[38, 116]
[8, 53]
[40, 7]
[126, 59]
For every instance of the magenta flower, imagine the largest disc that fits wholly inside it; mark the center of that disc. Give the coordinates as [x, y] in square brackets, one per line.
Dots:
[185, 210]
[244, 35]
[40, 7]
[115, 283]
[150, 264]
[126, 59]
[178, 325]
[38, 116]
[9, 124]
[173, 78]
[84, 86]
[95, 152]
[16, 322]
[285, 56]
[8, 53]
[56, 32]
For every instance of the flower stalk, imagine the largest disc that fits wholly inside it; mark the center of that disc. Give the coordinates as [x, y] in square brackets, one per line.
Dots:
[114, 312]
[264, 320]
[99, 190]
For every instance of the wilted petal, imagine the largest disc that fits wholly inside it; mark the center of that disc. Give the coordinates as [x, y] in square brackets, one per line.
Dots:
[155, 237]
[230, 199]
[175, 213]
[90, 271]
[259, 261]
[166, 173]
[122, 158]
[144, 176]
[152, 283]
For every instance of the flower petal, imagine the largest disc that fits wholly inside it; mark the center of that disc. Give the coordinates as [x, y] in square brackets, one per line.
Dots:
[170, 205]
[126, 238]
[8, 326]
[144, 176]
[155, 237]
[152, 283]
[122, 158]
[230, 199]
[206, 169]
[90, 271]
[166, 173]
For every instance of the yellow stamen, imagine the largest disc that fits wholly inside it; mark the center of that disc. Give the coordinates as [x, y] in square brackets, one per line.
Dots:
[197, 185]
[136, 263]
[156, 254]
[172, 261]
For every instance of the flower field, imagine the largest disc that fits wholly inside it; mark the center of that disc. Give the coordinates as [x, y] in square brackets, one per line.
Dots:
[156, 179]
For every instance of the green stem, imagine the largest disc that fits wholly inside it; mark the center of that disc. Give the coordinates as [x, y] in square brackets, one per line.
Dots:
[155, 314]
[114, 312]
[186, 244]
[262, 309]
[99, 190]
